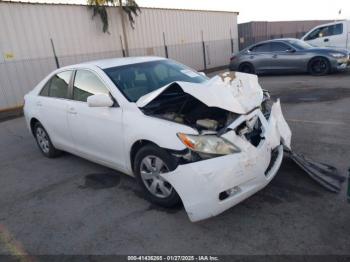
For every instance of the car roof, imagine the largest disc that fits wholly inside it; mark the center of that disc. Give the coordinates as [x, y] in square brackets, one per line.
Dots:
[113, 62]
[278, 40]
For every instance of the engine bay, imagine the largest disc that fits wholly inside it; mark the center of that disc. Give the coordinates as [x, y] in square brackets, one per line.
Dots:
[177, 106]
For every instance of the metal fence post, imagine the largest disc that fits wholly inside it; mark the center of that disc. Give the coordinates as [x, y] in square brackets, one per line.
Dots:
[165, 46]
[231, 41]
[121, 44]
[54, 53]
[204, 56]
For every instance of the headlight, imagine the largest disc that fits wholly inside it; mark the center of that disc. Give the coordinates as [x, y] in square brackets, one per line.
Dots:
[209, 144]
[337, 55]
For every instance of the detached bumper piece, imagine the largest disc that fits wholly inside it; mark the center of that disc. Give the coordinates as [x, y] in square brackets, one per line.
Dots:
[326, 175]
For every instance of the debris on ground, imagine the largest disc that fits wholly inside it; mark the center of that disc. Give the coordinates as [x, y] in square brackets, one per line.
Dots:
[326, 175]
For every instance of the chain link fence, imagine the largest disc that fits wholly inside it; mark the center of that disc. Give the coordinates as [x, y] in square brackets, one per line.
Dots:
[17, 77]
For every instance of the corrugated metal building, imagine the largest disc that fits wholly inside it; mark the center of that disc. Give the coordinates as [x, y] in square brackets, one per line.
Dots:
[26, 31]
[253, 32]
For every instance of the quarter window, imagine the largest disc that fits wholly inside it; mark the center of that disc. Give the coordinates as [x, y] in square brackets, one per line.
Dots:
[57, 86]
[87, 84]
[45, 90]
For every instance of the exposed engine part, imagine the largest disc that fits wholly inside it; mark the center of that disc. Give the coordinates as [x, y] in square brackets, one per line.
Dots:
[180, 107]
[266, 104]
[174, 117]
[251, 130]
[209, 124]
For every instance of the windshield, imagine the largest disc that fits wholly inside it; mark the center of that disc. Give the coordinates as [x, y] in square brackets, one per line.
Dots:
[300, 44]
[136, 80]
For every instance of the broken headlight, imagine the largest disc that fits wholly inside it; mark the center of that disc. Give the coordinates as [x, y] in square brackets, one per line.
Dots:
[208, 144]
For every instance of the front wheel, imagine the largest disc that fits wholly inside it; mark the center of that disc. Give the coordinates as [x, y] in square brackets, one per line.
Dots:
[319, 66]
[150, 162]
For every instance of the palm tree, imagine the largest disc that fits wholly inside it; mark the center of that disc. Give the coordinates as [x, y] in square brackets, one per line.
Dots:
[130, 7]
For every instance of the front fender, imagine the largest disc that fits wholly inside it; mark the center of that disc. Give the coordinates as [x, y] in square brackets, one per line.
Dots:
[159, 131]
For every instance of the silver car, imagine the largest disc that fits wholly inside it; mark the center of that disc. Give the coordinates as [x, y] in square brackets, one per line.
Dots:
[289, 55]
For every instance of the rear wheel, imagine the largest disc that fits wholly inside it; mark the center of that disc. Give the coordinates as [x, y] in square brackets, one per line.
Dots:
[319, 66]
[246, 68]
[150, 162]
[44, 142]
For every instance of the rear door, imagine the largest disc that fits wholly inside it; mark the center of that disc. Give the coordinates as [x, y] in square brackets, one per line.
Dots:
[260, 57]
[52, 104]
[97, 131]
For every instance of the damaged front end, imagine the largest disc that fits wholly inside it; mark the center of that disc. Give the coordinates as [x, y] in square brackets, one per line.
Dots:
[239, 143]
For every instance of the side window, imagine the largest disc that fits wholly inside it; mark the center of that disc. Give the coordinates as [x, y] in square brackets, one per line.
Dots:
[261, 48]
[337, 29]
[57, 86]
[86, 84]
[324, 31]
[279, 47]
[45, 90]
[314, 34]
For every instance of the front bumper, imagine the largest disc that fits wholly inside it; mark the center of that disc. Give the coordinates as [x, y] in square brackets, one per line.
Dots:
[199, 184]
[343, 63]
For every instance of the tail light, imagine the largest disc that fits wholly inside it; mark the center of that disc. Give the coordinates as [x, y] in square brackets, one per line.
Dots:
[232, 58]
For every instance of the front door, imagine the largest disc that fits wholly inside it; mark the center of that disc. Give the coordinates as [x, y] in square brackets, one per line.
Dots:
[97, 131]
[285, 58]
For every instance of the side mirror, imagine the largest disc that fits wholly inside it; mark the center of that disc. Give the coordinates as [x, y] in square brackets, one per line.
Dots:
[100, 100]
[292, 50]
[202, 73]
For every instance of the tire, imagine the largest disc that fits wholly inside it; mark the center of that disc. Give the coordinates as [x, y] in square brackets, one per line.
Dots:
[149, 162]
[44, 142]
[319, 66]
[246, 68]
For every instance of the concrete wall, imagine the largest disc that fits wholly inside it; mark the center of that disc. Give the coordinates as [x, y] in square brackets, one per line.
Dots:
[26, 30]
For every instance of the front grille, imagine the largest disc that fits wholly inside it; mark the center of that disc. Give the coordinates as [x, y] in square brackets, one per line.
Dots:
[274, 155]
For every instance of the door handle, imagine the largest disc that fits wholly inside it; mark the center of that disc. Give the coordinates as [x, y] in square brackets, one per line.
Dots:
[251, 57]
[39, 103]
[274, 56]
[72, 111]
[326, 40]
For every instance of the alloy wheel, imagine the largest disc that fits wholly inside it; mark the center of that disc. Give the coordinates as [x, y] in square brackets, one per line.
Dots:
[43, 140]
[150, 169]
[319, 66]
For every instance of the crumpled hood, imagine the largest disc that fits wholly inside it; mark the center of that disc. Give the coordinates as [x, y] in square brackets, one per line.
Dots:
[232, 91]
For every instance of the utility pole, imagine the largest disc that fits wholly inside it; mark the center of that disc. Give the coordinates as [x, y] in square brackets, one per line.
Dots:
[123, 28]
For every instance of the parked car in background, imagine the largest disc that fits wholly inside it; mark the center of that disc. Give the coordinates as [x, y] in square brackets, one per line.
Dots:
[336, 35]
[210, 143]
[289, 55]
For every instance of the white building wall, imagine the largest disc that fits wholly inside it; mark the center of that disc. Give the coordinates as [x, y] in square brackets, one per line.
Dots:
[26, 54]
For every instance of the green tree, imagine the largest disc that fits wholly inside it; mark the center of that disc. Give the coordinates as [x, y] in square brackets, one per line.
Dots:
[128, 7]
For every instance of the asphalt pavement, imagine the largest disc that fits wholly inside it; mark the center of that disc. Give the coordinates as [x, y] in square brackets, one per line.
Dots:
[69, 205]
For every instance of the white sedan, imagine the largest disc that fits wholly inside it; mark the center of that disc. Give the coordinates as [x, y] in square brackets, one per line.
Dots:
[208, 143]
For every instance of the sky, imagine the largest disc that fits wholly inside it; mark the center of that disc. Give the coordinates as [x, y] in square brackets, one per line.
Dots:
[253, 10]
